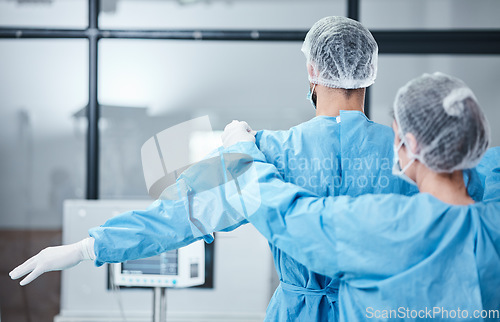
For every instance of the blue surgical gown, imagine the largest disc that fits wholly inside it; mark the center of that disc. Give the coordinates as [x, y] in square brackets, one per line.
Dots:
[395, 256]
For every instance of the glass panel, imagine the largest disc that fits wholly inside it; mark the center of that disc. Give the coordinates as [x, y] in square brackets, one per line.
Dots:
[480, 73]
[430, 14]
[44, 83]
[147, 86]
[44, 14]
[218, 14]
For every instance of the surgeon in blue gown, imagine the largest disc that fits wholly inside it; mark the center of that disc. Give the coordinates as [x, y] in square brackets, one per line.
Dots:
[339, 152]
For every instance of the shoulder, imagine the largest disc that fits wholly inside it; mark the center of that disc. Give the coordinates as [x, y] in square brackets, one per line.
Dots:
[381, 129]
[278, 137]
[358, 120]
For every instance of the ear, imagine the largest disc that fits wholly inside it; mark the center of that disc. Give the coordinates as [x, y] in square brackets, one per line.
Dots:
[412, 142]
[396, 132]
[311, 71]
[395, 127]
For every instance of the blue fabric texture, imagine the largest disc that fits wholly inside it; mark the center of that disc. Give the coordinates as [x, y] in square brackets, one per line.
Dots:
[489, 171]
[387, 251]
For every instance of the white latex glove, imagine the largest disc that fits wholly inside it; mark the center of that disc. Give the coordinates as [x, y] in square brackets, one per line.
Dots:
[237, 131]
[54, 259]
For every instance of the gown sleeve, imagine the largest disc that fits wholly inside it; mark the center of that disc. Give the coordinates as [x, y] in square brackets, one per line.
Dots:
[142, 233]
[206, 198]
[270, 143]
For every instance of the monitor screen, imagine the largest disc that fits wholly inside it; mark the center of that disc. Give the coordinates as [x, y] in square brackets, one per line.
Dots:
[163, 264]
[184, 267]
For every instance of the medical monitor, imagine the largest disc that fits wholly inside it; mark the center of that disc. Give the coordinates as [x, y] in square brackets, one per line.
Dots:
[183, 267]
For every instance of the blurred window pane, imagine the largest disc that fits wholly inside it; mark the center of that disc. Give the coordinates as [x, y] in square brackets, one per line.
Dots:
[44, 14]
[430, 14]
[237, 14]
[149, 86]
[43, 84]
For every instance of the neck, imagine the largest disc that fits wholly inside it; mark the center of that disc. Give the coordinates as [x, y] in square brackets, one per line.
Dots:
[447, 187]
[330, 101]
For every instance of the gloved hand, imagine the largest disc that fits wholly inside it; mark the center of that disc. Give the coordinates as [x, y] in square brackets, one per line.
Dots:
[237, 131]
[54, 259]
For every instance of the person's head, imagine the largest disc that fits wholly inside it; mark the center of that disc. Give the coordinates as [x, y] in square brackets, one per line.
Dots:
[438, 123]
[340, 53]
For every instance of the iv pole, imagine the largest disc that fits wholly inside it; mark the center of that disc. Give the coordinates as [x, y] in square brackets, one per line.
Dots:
[160, 304]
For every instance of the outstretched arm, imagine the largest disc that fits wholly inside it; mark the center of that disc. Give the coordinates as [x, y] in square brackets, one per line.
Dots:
[204, 199]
